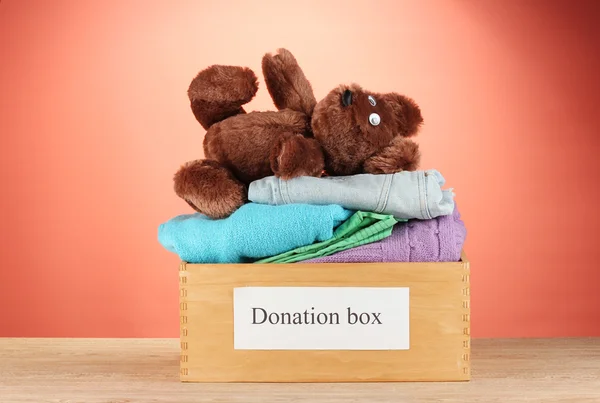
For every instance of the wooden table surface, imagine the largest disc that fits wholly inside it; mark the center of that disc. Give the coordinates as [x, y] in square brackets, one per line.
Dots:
[134, 370]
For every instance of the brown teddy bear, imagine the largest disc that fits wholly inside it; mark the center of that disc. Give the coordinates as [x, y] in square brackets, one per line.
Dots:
[350, 131]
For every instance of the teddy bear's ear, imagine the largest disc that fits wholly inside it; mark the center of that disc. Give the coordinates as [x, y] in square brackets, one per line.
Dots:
[407, 113]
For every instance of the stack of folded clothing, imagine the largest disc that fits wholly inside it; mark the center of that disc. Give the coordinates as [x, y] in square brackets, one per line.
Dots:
[402, 217]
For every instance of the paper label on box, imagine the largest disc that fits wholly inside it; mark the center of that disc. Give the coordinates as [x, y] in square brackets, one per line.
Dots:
[321, 318]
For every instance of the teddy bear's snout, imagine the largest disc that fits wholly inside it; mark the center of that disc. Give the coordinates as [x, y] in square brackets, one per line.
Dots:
[347, 98]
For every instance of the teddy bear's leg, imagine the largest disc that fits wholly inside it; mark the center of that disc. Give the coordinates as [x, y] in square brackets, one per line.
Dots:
[219, 92]
[295, 155]
[401, 155]
[210, 188]
[287, 83]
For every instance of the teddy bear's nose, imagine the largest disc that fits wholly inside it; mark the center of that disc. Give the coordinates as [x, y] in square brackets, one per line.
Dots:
[347, 98]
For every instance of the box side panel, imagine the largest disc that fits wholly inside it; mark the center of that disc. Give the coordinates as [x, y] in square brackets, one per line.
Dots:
[183, 322]
[439, 325]
[466, 318]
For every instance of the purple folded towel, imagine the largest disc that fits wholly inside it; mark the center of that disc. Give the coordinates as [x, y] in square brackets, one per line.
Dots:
[439, 239]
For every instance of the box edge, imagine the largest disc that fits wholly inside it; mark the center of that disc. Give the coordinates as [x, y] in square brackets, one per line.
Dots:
[183, 318]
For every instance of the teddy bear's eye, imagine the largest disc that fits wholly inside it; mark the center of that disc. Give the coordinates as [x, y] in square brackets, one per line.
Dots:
[374, 119]
[372, 101]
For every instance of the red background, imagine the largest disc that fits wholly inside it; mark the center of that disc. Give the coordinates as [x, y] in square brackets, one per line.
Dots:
[94, 121]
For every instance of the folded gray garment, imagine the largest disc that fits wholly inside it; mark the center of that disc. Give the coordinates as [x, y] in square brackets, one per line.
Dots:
[405, 195]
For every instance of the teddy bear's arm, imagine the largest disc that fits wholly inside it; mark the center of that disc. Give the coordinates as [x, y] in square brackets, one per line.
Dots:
[296, 155]
[219, 92]
[401, 155]
[287, 83]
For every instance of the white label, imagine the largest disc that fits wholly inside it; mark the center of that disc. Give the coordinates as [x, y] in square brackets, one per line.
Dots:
[321, 318]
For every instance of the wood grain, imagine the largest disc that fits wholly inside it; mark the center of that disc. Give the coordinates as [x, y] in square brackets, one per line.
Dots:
[136, 371]
[439, 324]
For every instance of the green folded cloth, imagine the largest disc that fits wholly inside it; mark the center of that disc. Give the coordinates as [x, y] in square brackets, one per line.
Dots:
[360, 229]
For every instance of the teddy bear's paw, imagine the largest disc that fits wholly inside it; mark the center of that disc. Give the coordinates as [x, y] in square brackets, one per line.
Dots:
[409, 155]
[296, 156]
[401, 155]
[217, 83]
[209, 188]
[288, 86]
[218, 92]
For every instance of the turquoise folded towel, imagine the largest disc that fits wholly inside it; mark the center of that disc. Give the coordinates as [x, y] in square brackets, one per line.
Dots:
[252, 232]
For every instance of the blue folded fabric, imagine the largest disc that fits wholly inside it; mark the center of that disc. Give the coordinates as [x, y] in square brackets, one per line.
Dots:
[252, 232]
